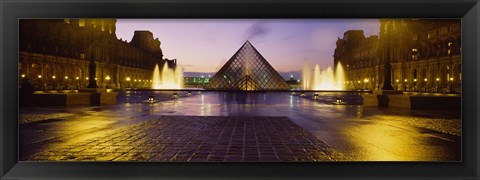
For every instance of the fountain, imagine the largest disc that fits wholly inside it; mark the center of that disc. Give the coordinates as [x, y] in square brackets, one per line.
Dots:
[323, 80]
[169, 78]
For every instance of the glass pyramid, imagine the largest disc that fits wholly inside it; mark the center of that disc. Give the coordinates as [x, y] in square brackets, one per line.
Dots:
[247, 70]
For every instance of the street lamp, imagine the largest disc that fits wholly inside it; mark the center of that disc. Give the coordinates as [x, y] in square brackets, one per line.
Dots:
[436, 84]
[40, 82]
[365, 81]
[451, 86]
[425, 86]
[54, 84]
[415, 85]
[66, 82]
[128, 81]
[78, 82]
[107, 79]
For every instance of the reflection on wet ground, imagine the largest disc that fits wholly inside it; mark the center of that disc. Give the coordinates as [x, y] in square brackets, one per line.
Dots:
[348, 132]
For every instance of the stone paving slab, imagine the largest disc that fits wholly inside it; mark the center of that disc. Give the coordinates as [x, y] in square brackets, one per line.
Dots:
[196, 139]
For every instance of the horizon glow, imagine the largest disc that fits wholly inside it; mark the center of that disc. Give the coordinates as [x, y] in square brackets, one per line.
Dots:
[205, 45]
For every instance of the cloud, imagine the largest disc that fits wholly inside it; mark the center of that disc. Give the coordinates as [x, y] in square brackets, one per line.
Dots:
[257, 30]
[186, 67]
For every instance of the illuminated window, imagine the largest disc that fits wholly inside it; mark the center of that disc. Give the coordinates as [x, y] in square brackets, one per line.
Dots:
[414, 53]
[428, 35]
[449, 49]
[67, 21]
[460, 71]
[82, 56]
[94, 25]
[110, 28]
[103, 26]
[81, 23]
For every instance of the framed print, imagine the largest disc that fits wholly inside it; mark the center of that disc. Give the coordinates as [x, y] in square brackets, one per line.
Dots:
[225, 89]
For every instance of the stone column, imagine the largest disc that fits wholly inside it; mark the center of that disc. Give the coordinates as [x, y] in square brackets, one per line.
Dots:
[92, 83]
[387, 78]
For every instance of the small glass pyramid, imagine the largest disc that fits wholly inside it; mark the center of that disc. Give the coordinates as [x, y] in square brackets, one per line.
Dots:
[247, 70]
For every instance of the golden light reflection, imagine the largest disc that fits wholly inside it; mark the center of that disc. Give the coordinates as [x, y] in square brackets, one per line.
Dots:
[376, 141]
[98, 128]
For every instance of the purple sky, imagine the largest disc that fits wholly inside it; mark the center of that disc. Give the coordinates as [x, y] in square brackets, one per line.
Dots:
[204, 45]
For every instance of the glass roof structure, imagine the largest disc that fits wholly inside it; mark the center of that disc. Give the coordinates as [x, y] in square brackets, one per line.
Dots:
[247, 70]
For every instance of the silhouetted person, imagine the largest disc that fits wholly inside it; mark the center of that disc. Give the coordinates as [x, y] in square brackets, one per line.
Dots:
[26, 91]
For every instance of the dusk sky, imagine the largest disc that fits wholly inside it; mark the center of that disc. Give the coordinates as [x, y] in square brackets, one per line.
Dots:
[204, 45]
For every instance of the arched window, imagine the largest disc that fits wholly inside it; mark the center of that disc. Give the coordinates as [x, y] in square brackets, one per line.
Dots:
[34, 70]
[423, 73]
[434, 75]
[459, 72]
[438, 48]
[414, 74]
[47, 72]
[446, 75]
[81, 23]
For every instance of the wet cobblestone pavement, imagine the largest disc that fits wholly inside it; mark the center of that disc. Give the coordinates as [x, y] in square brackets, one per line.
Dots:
[196, 138]
[215, 126]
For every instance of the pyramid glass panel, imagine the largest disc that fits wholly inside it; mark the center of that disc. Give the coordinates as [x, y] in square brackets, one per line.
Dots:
[247, 70]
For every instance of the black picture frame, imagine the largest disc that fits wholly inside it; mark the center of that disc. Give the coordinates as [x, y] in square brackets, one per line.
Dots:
[467, 10]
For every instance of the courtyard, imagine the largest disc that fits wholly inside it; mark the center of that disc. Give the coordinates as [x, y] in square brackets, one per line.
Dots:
[232, 127]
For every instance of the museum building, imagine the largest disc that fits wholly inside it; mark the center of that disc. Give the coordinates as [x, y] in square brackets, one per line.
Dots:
[421, 55]
[55, 54]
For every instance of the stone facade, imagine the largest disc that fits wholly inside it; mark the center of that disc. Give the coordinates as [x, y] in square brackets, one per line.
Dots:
[55, 54]
[424, 54]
